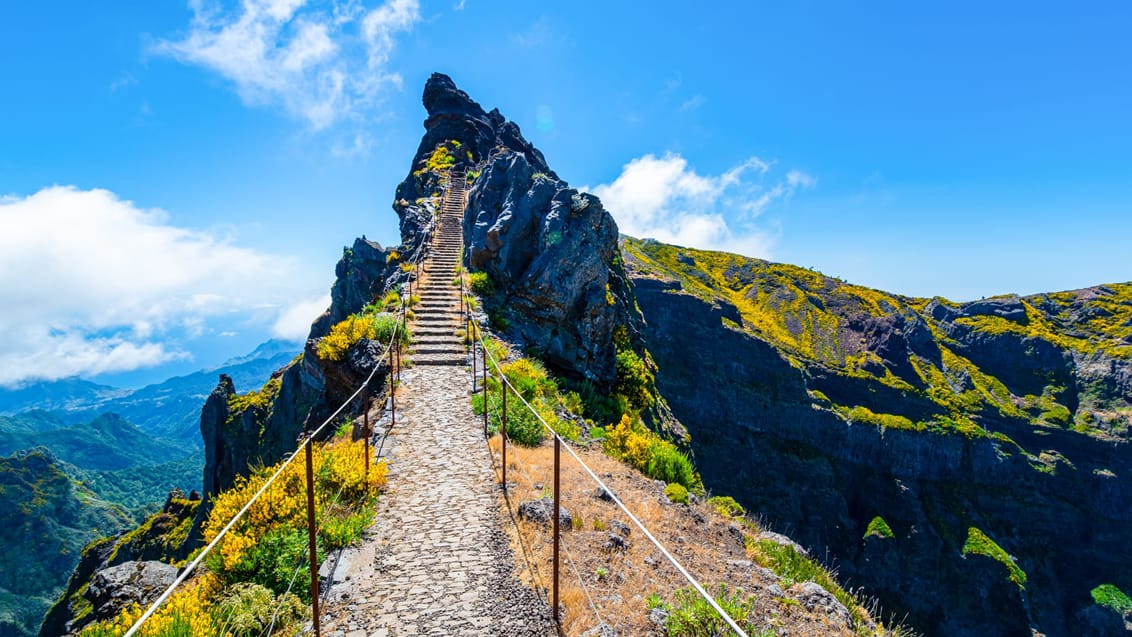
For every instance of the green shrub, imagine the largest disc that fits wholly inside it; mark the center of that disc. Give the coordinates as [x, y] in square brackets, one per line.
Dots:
[879, 528]
[634, 380]
[522, 425]
[691, 616]
[347, 333]
[649, 453]
[726, 506]
[481, 283]
[247, 610]
[1111, 597]
[271, 562]
[677, 493]
[979, 543]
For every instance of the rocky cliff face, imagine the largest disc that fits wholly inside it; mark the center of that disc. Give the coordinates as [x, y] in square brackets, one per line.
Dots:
[549, 251]
[825, 406]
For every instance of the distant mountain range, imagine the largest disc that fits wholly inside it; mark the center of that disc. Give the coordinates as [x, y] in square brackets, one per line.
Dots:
[79, 461]
[169, 409]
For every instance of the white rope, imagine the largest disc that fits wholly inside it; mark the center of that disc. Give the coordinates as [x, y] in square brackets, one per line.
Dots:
[308, 439]
[679, 567]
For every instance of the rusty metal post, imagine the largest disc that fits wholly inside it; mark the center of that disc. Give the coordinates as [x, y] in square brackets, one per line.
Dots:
[557, 503]
[475, 375]
[311, 535]
[392, 394]
[365, 426]
[483, 351]
[503, 386]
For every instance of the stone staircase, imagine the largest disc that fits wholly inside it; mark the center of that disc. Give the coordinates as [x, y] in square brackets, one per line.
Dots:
[437, 316]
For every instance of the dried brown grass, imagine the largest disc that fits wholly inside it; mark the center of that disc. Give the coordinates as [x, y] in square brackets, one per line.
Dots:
[619, 581]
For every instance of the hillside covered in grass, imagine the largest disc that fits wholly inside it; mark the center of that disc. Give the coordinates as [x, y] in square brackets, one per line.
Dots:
[964, 462]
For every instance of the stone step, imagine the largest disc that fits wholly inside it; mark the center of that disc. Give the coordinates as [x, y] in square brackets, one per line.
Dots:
[455, 351]
[452, 362]
[439, 341]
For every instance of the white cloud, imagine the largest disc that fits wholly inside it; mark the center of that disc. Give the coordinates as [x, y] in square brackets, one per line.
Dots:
[318, 65]
[535, 36]
[294, 324]
[693, 103]
[665, 199]
[90, 283]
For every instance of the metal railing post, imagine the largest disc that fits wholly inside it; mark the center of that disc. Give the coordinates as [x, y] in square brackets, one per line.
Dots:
[311, 536]
[392, 394]
[365, 427]
[475, 374]
[557, 502]
[503, 386]
[483, 352]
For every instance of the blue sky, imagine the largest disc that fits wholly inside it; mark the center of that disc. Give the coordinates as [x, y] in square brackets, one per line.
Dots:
[178, 178]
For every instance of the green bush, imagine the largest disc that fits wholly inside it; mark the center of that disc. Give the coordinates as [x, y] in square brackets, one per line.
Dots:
[634, 380]
[247, 610]
[481, 283]
[691, 616]
[726, 506]
[345, 334]
[677, 493]
[879, 528]
[654, 456]
[271, 562]
[522, 426]
[979, 543]
[1111, 597]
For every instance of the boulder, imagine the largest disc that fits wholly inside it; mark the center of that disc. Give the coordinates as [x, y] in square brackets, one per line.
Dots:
[542, 511]
[113, 589]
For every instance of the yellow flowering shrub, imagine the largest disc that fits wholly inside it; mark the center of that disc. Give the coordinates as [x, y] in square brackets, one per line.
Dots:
[268, 545]
[354, 328]
[652, 455]
[185, 613]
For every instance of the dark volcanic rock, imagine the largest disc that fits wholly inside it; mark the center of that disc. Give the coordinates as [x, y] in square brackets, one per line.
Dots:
[158, 541]
[542, 511]
[550, 251]
[113, 589]
[760, 435]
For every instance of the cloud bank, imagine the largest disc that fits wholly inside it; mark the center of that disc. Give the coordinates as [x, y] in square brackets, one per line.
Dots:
[665, 199]
[90, 284]
[319, 62]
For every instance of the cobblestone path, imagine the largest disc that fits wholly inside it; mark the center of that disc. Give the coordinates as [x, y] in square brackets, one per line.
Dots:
[437, 560]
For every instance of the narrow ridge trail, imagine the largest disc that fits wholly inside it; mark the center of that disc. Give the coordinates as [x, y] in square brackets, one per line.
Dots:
[437, 560]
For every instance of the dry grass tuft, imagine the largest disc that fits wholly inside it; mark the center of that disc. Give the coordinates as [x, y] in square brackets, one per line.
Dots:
[618, 581]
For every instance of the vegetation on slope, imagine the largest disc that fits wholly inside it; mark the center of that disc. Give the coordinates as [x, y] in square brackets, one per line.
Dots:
[250, 573]
[823, 323]
[629, 441]
[45, 520]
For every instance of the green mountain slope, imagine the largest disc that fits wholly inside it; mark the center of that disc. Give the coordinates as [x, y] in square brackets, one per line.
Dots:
[106, 443]
[45, 520]
[170, 409]
[953, 366]
[966, 463]
[67, 485]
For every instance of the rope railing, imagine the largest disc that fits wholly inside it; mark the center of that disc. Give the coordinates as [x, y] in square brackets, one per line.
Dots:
[505, 384]
[305, 442]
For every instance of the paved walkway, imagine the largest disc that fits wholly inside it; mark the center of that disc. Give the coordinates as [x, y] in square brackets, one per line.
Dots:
[437, 561]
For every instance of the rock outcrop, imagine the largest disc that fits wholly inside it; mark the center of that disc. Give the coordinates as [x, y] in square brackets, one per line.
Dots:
[549, 251]
[120, 569]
